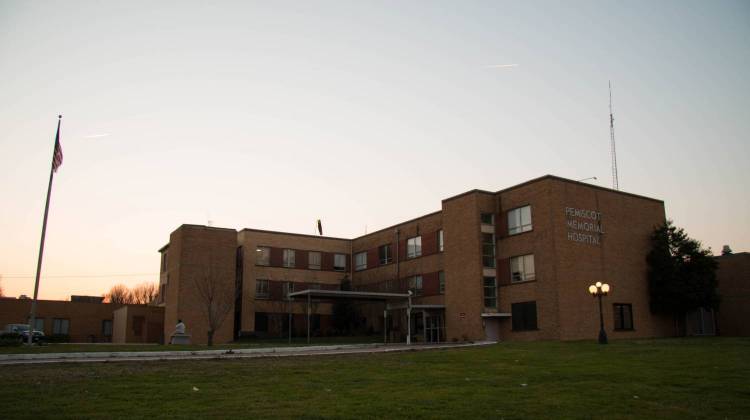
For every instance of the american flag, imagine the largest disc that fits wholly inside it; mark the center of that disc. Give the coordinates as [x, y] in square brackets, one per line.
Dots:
[57, 158]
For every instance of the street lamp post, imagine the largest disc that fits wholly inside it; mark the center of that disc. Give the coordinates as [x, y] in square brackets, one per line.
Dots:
[598, 290]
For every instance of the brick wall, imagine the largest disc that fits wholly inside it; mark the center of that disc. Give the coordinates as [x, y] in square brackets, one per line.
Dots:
[85, 319]
[733, 276]
[301, 275]
[198, 253]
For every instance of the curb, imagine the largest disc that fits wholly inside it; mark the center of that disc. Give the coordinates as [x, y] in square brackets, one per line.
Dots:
[12, 359]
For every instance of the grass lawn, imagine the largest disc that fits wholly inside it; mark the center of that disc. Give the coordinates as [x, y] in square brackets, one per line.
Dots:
[85, 347]
[667, 378]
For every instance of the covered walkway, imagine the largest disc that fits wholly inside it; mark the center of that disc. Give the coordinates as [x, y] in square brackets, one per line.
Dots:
[391, 301]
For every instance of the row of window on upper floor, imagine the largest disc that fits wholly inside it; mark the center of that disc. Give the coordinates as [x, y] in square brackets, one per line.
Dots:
[521, 266]
[519, 220]
[262, 286]
[415, 284]
[289, 259]
[385, 252]
[521, 269]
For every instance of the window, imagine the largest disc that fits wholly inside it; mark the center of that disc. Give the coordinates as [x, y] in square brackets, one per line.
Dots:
[488, 250]
[107, 328]
[288, 288]
[487, 218]
[519, 220]
[522, 268]
[263, 255]
[490, 292]
[441, 281]
[623, 316]
[415, 285]
[414, 247]
[339, 262]
[60, 326]
[524, 316]
[164, 261]
[261, 289]
[360, 261]
[384, 254]
[313, 260]
[289, 258]
[441, 241]
[39, 324]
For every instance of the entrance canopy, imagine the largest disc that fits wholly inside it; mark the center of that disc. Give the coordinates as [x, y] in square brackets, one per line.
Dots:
[346, 294]
[354, 295]
[496, 315]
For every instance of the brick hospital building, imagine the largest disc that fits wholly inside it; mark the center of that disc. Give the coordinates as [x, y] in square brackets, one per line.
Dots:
[514, 264]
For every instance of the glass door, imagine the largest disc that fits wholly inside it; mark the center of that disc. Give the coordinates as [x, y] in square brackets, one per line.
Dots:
[434, 328]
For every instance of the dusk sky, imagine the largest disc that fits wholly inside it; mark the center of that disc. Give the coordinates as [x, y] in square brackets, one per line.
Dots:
[273, 114]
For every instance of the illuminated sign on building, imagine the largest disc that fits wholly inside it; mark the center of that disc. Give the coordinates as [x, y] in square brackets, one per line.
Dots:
[584, 225]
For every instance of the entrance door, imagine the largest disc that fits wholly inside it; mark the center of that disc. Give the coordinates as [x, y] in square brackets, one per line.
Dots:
[433, 328]
[491, 329]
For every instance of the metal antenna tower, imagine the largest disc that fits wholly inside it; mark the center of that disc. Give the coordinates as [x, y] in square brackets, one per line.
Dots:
[613, 151]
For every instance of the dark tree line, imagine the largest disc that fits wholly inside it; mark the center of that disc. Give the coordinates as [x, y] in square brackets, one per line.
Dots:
[141, 294]
[681, 273]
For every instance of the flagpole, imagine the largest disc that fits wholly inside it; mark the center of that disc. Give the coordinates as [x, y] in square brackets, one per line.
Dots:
[32, 316]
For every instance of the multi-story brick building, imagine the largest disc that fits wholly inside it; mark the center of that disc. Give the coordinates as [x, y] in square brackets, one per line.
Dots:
[511, 265]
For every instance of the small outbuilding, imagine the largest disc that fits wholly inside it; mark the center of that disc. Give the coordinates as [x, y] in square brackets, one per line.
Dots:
[138, 324]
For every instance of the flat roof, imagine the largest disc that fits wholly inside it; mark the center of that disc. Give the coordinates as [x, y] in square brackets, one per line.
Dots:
[350, 294]
[400, 223]
[294, 234]
[546, 177]
[571, 181]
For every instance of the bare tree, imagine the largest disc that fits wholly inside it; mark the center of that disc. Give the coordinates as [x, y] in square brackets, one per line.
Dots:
[1, 286]
[217, 300]
[119, 293]
[144, 293]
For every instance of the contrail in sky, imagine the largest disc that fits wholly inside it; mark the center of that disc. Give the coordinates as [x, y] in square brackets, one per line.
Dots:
[96, 136]
[500, 66]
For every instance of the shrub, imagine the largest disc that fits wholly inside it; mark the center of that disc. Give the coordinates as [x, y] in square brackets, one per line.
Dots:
[10, 340]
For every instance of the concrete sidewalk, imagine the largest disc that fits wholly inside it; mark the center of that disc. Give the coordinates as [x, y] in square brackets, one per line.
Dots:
[138, 356]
